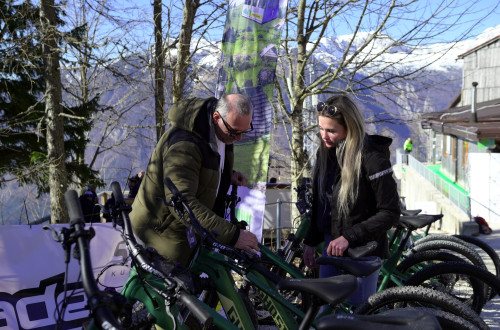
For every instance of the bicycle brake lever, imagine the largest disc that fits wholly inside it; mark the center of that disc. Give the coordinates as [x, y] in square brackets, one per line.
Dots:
[55, 235]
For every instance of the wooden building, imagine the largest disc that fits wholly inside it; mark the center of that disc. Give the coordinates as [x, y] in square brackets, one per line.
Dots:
[466, 135]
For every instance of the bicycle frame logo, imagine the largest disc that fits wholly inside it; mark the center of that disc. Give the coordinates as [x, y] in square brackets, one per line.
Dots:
[268, 302]
[231, 314]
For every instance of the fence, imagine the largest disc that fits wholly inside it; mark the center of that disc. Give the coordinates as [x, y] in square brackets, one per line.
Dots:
[458, 198]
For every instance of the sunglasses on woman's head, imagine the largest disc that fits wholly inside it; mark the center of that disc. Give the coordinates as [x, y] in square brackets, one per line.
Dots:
[331, 109]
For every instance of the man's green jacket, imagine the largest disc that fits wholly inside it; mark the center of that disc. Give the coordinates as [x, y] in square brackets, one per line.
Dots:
[187, 154]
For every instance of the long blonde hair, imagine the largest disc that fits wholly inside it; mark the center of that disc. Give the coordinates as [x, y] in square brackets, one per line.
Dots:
[348, 151]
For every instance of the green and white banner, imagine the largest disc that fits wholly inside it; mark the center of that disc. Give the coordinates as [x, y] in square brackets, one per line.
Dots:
[250, 44]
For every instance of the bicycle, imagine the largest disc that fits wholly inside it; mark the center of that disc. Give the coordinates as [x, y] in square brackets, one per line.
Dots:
[217, 266]
[415, 261]
[401, 235]
[154, 279]
[161, 285]
[102, 305]
[471, 287]
[482, 248]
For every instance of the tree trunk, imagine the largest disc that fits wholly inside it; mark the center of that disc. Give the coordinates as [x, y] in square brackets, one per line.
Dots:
[53, 109]
[183, 52]
[159, 76]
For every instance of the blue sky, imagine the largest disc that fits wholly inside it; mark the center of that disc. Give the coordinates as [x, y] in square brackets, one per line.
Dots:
[473, 17]
[456, 19]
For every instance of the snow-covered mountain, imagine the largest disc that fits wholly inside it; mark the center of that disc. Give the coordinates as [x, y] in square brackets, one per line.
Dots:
[127, 125]
[442, 57]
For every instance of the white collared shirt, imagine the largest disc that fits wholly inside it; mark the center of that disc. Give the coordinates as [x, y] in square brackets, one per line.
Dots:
[221, 147]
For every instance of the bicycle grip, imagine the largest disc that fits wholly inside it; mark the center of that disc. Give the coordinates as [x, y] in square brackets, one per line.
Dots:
[195, 306]
[117, 192]
[74, 207]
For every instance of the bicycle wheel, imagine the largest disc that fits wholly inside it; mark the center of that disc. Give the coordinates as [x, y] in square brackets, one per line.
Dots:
[483, 249]
[486, 251]
[417, 261]
[460, 249]
[459, 279]
[446, 320]
[414, 296]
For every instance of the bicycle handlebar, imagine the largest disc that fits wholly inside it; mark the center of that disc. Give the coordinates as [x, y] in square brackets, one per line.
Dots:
[179, 203]
[134, 247]
[142, 261]
[103, 315]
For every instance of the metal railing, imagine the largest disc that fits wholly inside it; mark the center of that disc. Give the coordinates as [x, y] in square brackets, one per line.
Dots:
[457, 197]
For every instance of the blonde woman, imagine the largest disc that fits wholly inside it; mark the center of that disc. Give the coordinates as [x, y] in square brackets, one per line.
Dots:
[355, 198]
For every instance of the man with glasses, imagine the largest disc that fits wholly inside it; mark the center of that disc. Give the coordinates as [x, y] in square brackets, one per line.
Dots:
[196, 153]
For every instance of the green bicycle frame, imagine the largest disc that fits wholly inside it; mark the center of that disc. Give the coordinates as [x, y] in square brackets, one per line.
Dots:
[218, 267]
[388, 272]
[289, 268]
[166, 317]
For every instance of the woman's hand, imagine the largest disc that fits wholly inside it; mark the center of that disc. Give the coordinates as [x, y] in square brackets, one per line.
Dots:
[337, 247]
[309, 256]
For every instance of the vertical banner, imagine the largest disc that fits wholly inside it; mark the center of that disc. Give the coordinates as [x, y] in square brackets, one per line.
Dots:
[250, 44]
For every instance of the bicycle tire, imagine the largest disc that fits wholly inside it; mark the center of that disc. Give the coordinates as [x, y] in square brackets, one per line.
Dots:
[444, 237]
[402, 296]
[474, 243]
[475, 273]
[424, 258]
[468, 290]
[466, 251]
[446, 320]
[486, 248]
[456, 245]
[469, 241]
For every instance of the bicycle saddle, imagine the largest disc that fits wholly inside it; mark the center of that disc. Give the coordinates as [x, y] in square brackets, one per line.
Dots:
[361, 251]
[410, 212]
[359, 267]
[332, 290]
[418, 221]
[398, 319]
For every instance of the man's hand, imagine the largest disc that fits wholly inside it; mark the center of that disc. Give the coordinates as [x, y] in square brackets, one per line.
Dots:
[247, 241]
[239, 179]
[309, 259]
[337, 247]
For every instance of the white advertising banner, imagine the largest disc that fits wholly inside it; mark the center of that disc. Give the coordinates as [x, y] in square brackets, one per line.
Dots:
[32, 275]
[251, 209]
[484, 186]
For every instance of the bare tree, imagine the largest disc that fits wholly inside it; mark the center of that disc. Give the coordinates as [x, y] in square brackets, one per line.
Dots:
[53, 110]
[199, 20]
[358, 63]
[183, 48]
[159, 71]
[105, 81]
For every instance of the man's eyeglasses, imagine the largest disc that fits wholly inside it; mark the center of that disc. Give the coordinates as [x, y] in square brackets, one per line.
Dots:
[231, 132]
[331, 109]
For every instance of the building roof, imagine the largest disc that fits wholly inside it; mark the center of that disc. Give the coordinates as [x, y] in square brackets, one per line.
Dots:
[457, 121]
[484, 44]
